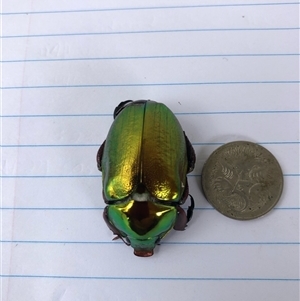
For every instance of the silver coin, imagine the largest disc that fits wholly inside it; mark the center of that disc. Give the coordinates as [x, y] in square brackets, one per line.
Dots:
[242, 180]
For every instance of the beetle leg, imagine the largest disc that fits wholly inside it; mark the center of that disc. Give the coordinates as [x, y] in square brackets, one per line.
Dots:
[185, 193]
[99, 156]
[181, 219]
[114, 230]
[124, 241]
[190, 209]
[190, 154]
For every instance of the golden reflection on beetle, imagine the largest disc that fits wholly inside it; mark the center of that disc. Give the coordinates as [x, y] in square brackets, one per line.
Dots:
[144, 161]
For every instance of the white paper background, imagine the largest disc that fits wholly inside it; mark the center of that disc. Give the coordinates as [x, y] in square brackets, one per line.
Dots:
[228, 71]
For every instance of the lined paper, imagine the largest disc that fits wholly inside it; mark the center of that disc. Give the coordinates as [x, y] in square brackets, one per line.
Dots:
[229, 71]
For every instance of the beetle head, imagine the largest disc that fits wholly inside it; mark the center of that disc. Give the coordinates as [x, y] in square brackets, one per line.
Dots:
[141, 224]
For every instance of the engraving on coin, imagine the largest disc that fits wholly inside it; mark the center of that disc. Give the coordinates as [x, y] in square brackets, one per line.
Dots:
[242, 180]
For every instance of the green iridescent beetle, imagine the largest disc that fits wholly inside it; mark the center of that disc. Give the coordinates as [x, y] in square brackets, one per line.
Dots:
[144, 162]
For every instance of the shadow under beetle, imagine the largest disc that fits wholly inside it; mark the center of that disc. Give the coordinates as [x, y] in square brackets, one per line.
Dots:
[144, 162]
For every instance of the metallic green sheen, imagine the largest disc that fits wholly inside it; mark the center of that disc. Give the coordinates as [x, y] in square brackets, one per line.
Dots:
[142, 223]
[122, 152]
[145, 144]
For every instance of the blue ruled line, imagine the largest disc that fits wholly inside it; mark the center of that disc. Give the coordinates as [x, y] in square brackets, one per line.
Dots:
[98, 145]
[90, 176]
[47, 176]
[151, 278]
[177, 114]
[151, 84]
[102, 208]
[150, 57]
[161, 31]
[149, 8]
[296, 243]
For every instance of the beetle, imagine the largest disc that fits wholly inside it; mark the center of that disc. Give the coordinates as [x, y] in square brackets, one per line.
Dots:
[144, 162]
